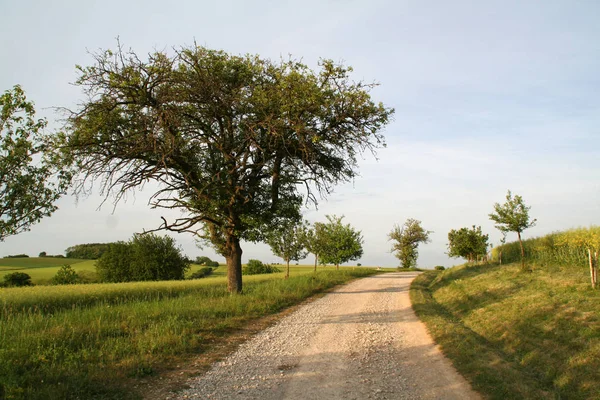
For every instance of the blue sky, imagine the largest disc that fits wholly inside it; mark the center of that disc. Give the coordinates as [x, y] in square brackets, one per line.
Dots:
[489, 96]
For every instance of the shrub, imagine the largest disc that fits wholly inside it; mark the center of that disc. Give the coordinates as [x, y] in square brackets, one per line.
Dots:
[144, 258]
[358, 264]
[201, 273]
[439, 268]
[66, 275]
[17, 279]
[203, 260]
[255, 267]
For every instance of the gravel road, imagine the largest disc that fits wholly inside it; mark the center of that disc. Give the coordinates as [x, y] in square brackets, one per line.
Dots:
[361, 341]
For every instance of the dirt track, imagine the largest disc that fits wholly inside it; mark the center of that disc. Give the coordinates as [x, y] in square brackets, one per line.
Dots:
[361, 341]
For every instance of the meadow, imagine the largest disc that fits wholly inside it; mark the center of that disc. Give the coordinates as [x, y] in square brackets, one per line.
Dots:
[516, 334]
[97, 340]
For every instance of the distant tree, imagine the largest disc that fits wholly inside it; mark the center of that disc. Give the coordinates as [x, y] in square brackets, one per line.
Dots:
[339, 243]
[231, 139]
[42, 254]
[467, 243]
[115, 263]
[87, 251]
[203, 260]
[501, 247]
[407, 238]
[314, 240]
[513, 216]
[30, 180]
[288, 241]
[66, 275]
[157, 258]
[17, 279]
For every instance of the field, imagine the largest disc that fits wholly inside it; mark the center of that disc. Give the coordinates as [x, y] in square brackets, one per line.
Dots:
[98, 340]
[513, 333]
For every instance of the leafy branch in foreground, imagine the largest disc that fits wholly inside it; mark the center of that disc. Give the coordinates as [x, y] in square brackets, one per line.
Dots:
[30, 179]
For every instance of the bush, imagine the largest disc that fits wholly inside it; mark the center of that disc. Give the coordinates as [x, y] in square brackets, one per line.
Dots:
[202, 273]
[439, 268]
[17, 279]
[66, 275]
[203, 260]
[255, 267]
[144, 258]
[114, 264]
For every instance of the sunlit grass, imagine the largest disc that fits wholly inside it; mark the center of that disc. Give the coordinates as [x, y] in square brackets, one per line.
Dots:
[89, 341]
[515, 334]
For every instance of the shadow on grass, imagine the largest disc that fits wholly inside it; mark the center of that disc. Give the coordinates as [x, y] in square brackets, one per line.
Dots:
[545, 348]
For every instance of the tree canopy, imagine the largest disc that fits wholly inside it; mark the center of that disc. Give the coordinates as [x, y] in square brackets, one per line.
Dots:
[407, 238]
[339, 243]
[288, 242]
[30, 181]
[230, 139]
[467, 243]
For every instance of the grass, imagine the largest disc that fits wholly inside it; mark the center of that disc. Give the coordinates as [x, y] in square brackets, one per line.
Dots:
[97, 340]
[514, 334]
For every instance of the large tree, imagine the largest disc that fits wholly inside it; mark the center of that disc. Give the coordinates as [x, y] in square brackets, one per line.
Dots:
[231, 140]
[288, 241]
[467, 243]
[407, 238]
[30, 182]
[513, 216]
[339, 243]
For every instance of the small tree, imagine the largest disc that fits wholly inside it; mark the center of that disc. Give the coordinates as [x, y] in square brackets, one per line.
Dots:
[339, 243]
[43, 254]
[513, 216]
[288, 242]
[407, 238]
[66, 275]
[314, 240]
[30, 181]
[467, 243]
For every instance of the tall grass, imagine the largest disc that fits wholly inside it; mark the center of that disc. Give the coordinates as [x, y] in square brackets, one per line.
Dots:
[558, 249]
[90, 341]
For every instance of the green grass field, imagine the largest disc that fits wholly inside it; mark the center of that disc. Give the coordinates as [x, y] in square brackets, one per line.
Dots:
[97, 340]
[515, 334]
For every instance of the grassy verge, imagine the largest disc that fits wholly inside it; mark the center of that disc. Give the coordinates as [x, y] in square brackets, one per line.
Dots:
[515, 334]
[94, 341]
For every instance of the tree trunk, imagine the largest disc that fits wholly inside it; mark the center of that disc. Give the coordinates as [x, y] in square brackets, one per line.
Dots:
[522, 251]
[316, 259]
[234, 264]
[337, 267]
[287, 273]
[500, 257]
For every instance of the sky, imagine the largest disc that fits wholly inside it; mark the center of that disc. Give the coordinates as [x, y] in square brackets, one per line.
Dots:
[489, 96]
